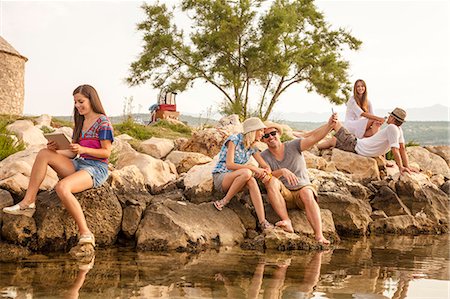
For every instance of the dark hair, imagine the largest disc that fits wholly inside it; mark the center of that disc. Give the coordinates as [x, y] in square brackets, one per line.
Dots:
[90, 93]
[362, 102]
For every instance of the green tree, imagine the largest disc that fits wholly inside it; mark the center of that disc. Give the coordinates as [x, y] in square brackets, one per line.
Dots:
[245, 49]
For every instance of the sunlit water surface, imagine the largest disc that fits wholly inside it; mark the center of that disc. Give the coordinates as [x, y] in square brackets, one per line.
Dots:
[376, 267]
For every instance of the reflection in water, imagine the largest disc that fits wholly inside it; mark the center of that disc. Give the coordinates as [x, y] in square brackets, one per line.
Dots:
[378, 267]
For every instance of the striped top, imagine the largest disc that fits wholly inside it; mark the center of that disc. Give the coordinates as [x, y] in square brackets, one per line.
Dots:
[101, 129]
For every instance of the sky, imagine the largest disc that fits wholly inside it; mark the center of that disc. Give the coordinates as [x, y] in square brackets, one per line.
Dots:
[404, 57]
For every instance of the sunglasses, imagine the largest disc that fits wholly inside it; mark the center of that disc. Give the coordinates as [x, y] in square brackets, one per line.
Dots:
[273, 133]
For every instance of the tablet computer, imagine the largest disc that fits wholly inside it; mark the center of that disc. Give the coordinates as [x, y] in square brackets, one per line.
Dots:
[61, 140]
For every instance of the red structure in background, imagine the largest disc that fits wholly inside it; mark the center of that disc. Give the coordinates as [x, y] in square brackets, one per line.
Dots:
[166, 107]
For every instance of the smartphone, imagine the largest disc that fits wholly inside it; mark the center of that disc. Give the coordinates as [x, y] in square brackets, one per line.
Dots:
[332, 110]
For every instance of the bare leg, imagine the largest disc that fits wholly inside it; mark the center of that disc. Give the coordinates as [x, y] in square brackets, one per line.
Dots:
[278, 204]
[257, 279]
[372, 128]
[327, 143]
[77, 182]
[255, 196]
[312, 210]
[233, 182]
[60, 163]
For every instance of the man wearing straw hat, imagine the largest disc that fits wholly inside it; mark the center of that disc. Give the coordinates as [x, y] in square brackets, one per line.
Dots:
[290, 186]
[389, 138]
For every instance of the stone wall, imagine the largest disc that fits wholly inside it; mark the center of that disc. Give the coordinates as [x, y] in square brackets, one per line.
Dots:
[12, 69]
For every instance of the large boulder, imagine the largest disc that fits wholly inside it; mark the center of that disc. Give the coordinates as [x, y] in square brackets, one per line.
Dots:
[198, 182]
[348, 201]
[361, 169]
[402, 224]
[442, 151]
[207, 142]
[53, 229]
[15, 171]
[157, 147]
[428, 161]
[184, 161]
[423, 198]
[387, 201]
[27, 132]
[157, 173]
[183, 226]
[44, 120]
[6, 200]
[316, 162]
[230, 123]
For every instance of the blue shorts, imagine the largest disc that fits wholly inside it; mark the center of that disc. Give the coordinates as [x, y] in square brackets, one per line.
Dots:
[97, 170]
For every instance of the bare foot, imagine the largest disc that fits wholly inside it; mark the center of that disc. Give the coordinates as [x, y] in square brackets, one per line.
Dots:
[286, 225]
[323, 241]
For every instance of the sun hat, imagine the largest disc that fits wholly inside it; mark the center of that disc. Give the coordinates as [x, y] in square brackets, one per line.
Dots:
[270, 124]
[252, 124]
[399, 114]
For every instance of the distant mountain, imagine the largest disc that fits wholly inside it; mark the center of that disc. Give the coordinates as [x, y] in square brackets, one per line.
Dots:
[431, 113]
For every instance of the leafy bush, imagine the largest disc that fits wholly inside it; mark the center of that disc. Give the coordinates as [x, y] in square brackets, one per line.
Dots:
[390, 155]
[9, 146]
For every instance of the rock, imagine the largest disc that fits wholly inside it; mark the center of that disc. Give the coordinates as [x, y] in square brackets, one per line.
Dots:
[186, 160]
[446, 188]
[156, 172]
[157, 147]
[184, 226]
[128, 184]
[15, 171]
[438, 180]
[207, 142]
[44, 120]
[6, 200]
[387, 201]
[56, 229]
[277, 239]
[19, 229]
[27, 132]
[378, 214]
[442, 151]
[361, 169]
[421, 196]
[11, 253]
[124, 137]
[230, 123]
[132, 216]
[428, 161]
[313, 161]
[402, 224]
[198, 182]
[347, 201]
[179, 143]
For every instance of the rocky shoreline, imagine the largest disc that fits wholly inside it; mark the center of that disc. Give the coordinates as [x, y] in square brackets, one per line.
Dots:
[158, 199]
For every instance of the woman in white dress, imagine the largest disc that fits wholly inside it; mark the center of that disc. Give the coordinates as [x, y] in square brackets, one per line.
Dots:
[359, 117]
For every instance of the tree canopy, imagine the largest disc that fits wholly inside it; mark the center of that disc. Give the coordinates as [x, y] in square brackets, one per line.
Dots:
[246, 49]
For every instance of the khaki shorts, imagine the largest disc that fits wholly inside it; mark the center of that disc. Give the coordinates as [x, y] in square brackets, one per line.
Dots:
[345, 140]
[290, 195]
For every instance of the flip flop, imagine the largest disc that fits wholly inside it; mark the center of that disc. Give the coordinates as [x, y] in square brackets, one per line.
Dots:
[218, 205]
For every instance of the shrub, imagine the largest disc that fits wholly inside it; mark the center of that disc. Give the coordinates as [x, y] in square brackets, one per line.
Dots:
[9, 146]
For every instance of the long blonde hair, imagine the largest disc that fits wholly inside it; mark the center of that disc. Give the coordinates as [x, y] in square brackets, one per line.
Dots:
[362, 102]
[249, 139]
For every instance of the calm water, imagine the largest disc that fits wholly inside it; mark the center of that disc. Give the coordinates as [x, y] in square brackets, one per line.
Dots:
[381, 267]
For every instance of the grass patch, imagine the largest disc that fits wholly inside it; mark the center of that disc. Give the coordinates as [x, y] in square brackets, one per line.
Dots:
[8, 145]
[161, 129]
[390, 155]
[58, 123]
